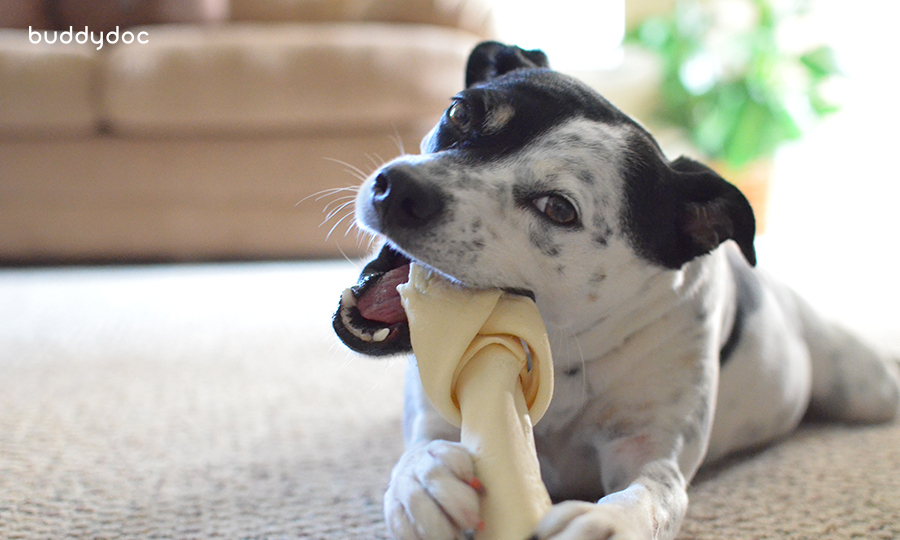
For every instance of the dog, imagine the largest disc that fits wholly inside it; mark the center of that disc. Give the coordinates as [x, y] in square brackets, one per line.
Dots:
[670, 348]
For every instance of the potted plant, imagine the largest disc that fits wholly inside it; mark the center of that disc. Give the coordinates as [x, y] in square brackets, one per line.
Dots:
[736, 86]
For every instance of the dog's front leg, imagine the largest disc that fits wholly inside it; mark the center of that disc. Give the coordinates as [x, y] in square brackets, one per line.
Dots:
[651, 507]
[433, 493]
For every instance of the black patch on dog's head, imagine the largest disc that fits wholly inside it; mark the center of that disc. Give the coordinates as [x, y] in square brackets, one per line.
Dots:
[537, 99]
[532, 98]
[681, 210]
[491, 59]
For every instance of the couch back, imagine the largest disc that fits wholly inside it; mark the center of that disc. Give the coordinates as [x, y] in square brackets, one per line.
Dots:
[471, 15]
[103, 15]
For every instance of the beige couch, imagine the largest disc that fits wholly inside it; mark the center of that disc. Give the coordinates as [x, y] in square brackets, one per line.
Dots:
[217, 139]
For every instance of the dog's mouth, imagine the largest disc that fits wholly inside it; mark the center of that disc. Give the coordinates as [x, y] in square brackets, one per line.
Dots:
[370, 318]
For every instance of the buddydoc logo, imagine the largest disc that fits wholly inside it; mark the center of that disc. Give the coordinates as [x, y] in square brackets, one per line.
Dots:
[83, 36]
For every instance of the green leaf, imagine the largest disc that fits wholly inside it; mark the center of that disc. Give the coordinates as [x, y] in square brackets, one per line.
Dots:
[822, 106]
[654, 34]
[716, 117]
[754, 107]
[821, 63]
[747, 141]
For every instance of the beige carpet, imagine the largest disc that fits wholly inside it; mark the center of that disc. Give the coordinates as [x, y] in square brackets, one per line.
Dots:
[213, 402]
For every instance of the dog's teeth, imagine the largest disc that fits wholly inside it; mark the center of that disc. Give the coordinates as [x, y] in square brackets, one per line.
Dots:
[345, 318]
[347, 298]
[348, 301]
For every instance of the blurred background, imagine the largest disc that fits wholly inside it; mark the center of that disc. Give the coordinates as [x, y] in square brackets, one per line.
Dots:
[237, 132]
[176, 229]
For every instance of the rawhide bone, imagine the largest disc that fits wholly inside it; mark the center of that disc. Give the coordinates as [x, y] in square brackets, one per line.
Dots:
[485, 365]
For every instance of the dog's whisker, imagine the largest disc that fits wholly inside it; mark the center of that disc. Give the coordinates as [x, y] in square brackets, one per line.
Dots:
[376, 160]
[319, 195]
[350, 168]
[380, 160]
[395, 138]
[352, 195]
[338, 209]
[341, 198]
[344, 254]
[337, 205]
[364, 237]
[330, 232]
[338, 222]
[367, 237]
[337, 212]
[352, 226]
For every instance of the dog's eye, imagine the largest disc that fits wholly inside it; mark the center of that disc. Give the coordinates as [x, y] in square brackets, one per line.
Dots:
[460, 116]
[557, 208]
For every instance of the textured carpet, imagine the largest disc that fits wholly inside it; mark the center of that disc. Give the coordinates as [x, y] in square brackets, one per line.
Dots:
[213, 402]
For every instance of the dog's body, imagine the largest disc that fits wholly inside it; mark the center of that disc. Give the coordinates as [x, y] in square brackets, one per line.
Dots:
[669, 347]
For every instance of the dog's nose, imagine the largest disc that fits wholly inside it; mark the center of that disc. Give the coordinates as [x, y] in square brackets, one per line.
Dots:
[402, 201]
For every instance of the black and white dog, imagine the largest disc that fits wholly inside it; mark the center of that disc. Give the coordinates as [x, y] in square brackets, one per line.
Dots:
[669, 347]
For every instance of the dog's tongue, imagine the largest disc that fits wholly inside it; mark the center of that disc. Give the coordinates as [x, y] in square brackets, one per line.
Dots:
[381, 302]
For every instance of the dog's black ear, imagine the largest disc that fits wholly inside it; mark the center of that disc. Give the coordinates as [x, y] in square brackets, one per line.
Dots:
[491, 59]
[708, 211]
[681, 210]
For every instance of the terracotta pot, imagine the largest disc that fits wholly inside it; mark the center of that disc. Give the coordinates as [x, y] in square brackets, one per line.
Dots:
[755, 182]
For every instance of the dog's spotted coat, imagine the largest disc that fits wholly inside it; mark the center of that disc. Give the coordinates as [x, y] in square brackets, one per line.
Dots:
[669, 347]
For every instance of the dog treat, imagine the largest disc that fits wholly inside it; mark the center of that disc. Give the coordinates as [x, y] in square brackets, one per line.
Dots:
[485, 365]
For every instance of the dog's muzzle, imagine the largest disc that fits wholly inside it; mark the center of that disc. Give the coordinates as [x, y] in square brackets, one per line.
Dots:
[370, 318]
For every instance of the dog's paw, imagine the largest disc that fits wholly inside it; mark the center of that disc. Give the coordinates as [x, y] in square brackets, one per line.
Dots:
[433, 494]
[576, 520]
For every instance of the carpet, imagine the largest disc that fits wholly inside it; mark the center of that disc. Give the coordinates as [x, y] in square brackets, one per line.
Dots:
[212, 401]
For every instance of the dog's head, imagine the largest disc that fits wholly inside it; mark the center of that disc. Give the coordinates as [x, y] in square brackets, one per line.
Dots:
[534, 183]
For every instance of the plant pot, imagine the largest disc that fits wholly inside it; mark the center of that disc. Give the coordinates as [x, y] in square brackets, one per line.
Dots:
[755, 182]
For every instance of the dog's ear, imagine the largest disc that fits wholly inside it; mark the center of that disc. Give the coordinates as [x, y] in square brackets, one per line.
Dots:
[709, 210]
[681, 210]
[491, 59]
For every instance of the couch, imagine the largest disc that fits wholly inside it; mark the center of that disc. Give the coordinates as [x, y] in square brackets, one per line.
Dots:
[228, 134]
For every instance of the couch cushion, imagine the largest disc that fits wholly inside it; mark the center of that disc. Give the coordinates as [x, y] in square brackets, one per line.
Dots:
[23, 13]
[105, 15]
[45, 88]
[276, 77]
[471, 15]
